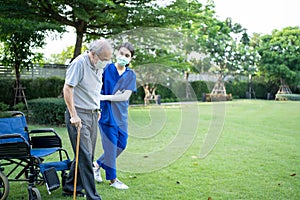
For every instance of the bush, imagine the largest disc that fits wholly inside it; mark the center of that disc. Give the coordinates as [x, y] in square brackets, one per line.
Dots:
[20, 107]
[34, 88]
[3, 106]
[7, 91]
[293, 97]
[138, 96]
[43, 87]
[200, 88]
[47, 111]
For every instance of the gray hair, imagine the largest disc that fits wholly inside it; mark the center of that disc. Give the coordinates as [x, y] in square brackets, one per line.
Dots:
[99, 46]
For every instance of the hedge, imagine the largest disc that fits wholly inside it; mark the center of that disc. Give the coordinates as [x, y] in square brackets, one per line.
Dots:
[47, 111]
[34, 88]
[52, 87]
[7, 91]
[293, 97]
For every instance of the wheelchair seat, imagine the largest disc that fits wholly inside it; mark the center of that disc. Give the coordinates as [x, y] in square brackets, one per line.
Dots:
[25, 152]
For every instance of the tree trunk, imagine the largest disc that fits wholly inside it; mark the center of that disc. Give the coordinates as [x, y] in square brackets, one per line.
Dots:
[18, 92]
[187, 86]
[250, 87]
[80, 30]
[284, 88]
[147, 94]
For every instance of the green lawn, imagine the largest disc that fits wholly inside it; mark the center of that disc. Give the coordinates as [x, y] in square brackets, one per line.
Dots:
[255, 154]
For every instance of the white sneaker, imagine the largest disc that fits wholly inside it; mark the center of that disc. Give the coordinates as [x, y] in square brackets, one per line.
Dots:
[119, 185]
[97, 174]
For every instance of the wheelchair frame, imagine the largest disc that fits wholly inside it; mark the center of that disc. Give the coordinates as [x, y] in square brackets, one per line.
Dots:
[25, 151]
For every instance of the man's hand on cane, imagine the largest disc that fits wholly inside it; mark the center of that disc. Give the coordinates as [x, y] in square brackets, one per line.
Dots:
[76, 121]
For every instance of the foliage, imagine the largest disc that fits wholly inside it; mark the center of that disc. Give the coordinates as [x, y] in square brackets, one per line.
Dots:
[280, 55]
[218, 43]
[94, 19]
[228, 46]
[64, 57]
[34, 88]
[200, 88]
[20, 107]
[7, 91]
[44, 87]
[174, 91]
[3, 106]
[47, 111]
[294, 97]
[21, 32]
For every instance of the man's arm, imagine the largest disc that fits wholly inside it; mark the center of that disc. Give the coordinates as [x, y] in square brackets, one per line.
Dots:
[68, 97]
[118, 96]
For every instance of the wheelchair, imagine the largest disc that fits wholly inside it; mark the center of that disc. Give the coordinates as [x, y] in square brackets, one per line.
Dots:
[26, 156]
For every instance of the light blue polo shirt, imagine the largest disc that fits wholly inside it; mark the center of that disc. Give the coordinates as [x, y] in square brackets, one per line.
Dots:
[82, 76]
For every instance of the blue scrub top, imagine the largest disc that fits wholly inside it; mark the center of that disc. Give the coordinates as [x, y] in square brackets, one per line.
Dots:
[115, 113]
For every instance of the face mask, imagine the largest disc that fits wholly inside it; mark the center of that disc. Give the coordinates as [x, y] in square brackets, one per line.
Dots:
[101, 64]
[123, 61]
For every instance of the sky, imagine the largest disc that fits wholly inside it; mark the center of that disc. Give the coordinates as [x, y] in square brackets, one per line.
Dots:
[257, 16]
[260, 16]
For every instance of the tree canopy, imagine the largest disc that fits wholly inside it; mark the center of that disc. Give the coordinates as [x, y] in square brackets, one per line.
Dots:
[164, 35]
[280, 55]
[21, 35]
[95, 18]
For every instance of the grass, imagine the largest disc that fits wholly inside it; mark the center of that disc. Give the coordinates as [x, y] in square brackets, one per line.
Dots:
[256, 156]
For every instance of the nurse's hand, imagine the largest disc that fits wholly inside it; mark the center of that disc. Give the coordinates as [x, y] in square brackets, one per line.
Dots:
[119, 92]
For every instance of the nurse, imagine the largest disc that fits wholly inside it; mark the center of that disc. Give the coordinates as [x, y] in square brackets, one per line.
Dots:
[119, 81]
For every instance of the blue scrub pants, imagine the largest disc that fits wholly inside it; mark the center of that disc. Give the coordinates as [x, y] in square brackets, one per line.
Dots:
[114, 141]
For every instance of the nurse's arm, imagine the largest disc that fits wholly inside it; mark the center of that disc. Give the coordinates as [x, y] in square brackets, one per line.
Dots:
[118, 96]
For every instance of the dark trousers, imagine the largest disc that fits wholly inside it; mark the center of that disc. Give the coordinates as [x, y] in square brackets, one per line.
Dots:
[88, 138]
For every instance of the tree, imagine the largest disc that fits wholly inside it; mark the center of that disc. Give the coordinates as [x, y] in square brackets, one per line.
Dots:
[246, 59]
[95, 18]
[20, 37]
[159, 46]
[280, 55]
[158, 58]
[219, 43]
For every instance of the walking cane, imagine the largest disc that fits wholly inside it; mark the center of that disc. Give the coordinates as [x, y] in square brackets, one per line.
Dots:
[76, 161]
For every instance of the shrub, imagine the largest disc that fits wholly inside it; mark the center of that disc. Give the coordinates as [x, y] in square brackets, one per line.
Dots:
[200, 88]
[34, 88]
[43, 87]
[293, 97]
[3, 106]
[20, 107]
[7, 91]
[47, 111]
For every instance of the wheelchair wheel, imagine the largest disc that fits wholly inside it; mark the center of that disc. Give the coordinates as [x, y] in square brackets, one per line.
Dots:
[36, 195]
[4, 186]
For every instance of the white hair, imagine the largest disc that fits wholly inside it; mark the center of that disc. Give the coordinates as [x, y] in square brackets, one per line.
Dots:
[98, 46]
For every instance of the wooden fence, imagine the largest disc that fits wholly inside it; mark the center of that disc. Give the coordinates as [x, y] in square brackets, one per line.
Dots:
[47, 70]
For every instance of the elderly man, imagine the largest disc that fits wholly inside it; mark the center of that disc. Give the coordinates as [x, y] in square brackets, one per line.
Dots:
[82, 96]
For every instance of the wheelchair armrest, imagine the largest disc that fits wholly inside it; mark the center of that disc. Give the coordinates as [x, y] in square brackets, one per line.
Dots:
[43, 130]
[13, 135]
[13, 145]
[45, 138]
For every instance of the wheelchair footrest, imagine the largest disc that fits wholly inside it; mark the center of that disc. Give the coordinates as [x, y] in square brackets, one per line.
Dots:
[51, 179]
[59, 166]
